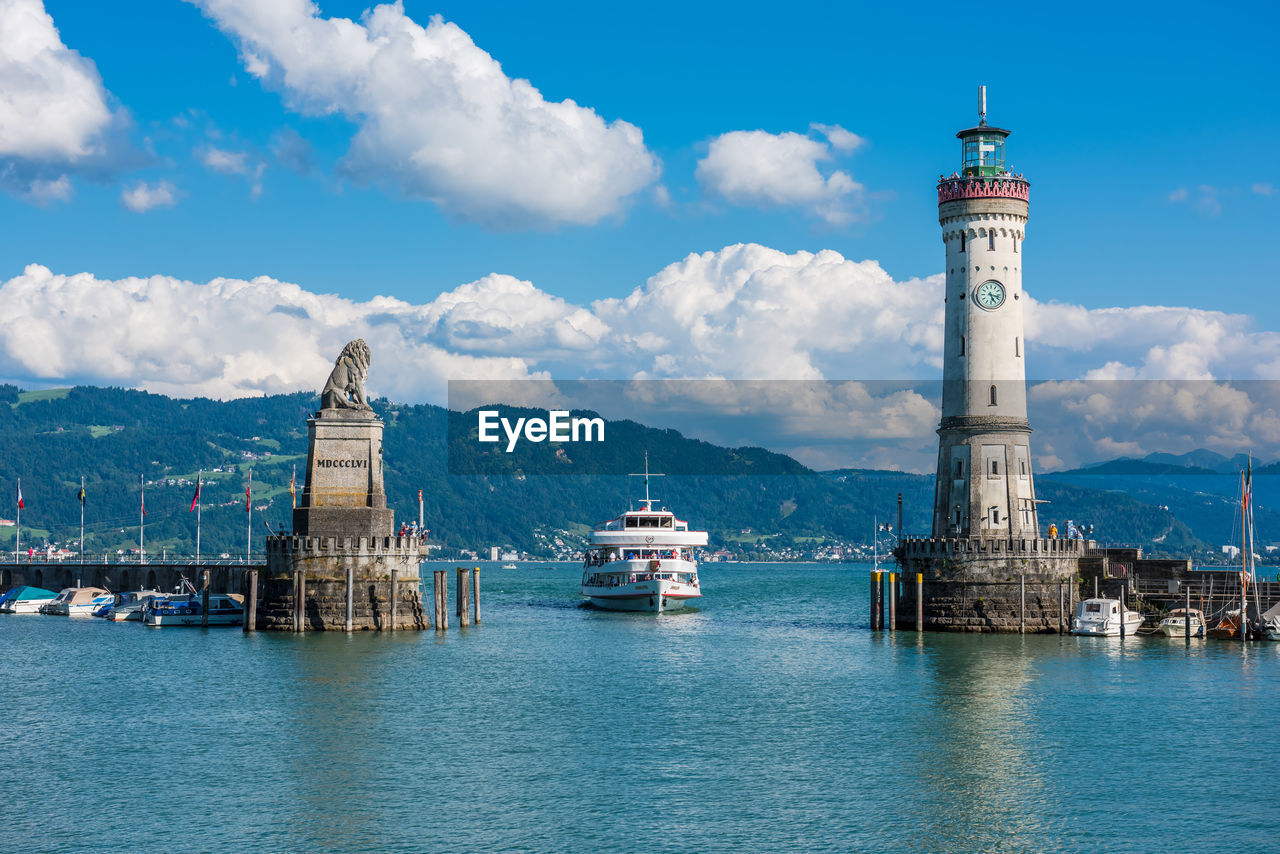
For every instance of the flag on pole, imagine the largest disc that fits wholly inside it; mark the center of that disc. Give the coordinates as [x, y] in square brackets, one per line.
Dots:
[80, 495]
[21, 506]
[248, 491]
[195, 499]
[142, 491]
[293, 495]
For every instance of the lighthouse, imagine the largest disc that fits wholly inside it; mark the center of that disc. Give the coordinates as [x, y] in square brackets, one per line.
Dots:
[984, 485]
[985, 567]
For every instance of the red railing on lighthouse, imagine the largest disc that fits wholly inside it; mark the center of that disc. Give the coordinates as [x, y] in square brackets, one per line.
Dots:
[955, 187]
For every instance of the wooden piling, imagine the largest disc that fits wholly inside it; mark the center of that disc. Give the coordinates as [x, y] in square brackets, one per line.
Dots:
[251, 601]
[393, 600]
[1022, 604]
[464, 597]
[351, 598]
[1095, 587]
[1186, 630]
[893, 601]
[919, 601]
[871, 600]
[475, 594]
[1122, 614]
[204, 599]
[441, 600]
[1061, 613]
[877, 602]
[300, 603]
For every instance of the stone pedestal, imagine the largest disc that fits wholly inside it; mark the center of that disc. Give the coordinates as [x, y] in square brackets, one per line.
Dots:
[326, 563]
[978, 584]
[343, 494]
[342, 543]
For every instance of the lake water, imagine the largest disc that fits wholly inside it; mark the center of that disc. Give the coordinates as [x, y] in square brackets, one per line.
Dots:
[769, 719]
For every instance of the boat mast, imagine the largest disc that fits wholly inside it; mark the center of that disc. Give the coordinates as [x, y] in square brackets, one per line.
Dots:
[647, 501]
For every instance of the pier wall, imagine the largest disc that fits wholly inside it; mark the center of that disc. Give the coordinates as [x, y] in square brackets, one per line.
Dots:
[978, 584]
[326, 564]
[118, 577]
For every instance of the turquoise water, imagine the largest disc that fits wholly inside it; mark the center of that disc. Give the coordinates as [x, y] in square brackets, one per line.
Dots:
[769, 719]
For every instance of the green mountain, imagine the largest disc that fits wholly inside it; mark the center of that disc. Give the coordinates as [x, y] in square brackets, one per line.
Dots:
[540, 500]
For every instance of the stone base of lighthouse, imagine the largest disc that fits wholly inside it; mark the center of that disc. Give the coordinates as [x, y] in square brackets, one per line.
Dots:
[989, 585]
[326, 565]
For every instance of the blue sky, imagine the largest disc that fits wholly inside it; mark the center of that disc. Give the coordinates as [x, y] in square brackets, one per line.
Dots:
[1148, 136]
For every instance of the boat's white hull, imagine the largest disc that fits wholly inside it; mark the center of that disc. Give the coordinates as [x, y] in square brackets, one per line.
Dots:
[162, 620]
[1177, 628]
[655, 596]
[1111, 629]
[85, 610]
[26, 606]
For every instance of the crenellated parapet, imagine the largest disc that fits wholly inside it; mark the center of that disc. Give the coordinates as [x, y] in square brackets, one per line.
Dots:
[958, 188]
[916, 548]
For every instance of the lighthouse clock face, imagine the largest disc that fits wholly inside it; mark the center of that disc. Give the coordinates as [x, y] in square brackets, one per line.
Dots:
[989, 295]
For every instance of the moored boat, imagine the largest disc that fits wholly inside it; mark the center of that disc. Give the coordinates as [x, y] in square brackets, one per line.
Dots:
[643, 560]
[26, 600]
[225, 609]
[128, 606]
[1175, 625]
[1104, 618]
[74, 601]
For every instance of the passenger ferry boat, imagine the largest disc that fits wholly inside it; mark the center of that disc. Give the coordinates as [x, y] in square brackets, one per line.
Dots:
[643, 560]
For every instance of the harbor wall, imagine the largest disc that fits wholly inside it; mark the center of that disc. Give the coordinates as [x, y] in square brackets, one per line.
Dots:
[118, 577]
[985, 584]
[326, 564]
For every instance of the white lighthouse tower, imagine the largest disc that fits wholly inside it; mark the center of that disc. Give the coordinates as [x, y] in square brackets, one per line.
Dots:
[985, 566]
[984, 485]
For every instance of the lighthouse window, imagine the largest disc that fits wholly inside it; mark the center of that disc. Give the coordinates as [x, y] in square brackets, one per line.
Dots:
[1017, 346]
[991, 239]
[995, 467]
[962, 241]
[959, 468]
[961, 345]
[995, 516]
[1015, 243]
[993, 395]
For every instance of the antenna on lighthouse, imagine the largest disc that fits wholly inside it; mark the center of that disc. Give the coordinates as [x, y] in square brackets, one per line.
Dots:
[982, 105]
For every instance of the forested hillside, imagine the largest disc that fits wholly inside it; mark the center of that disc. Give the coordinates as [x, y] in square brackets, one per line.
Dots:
[116, 438]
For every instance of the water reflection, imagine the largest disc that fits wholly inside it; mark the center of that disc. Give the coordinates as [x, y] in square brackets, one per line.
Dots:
[978, 783]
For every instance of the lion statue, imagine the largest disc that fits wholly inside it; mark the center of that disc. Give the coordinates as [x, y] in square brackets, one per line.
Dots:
[348, 377]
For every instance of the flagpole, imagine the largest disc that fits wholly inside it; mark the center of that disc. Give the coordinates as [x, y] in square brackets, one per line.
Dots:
[199, 483]
[17, 535]
[248, 506]
[82, 520]
[142, 518]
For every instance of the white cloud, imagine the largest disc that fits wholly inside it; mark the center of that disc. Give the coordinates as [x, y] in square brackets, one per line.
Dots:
[438, 119]
[142, 197]
[765, 170]
[1264, 189]
[235, 163]
[840, 139]
[831, 340]
[54, 115]
[226, 162]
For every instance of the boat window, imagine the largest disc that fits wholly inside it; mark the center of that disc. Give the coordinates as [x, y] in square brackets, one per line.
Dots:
[1093, 607]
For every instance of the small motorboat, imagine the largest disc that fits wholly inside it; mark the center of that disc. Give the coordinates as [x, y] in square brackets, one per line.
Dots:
[509, 566]
[1175, 625]
[76, 602]
[128, 606]
[26, 600]
[1104, 618]
[225, 609]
